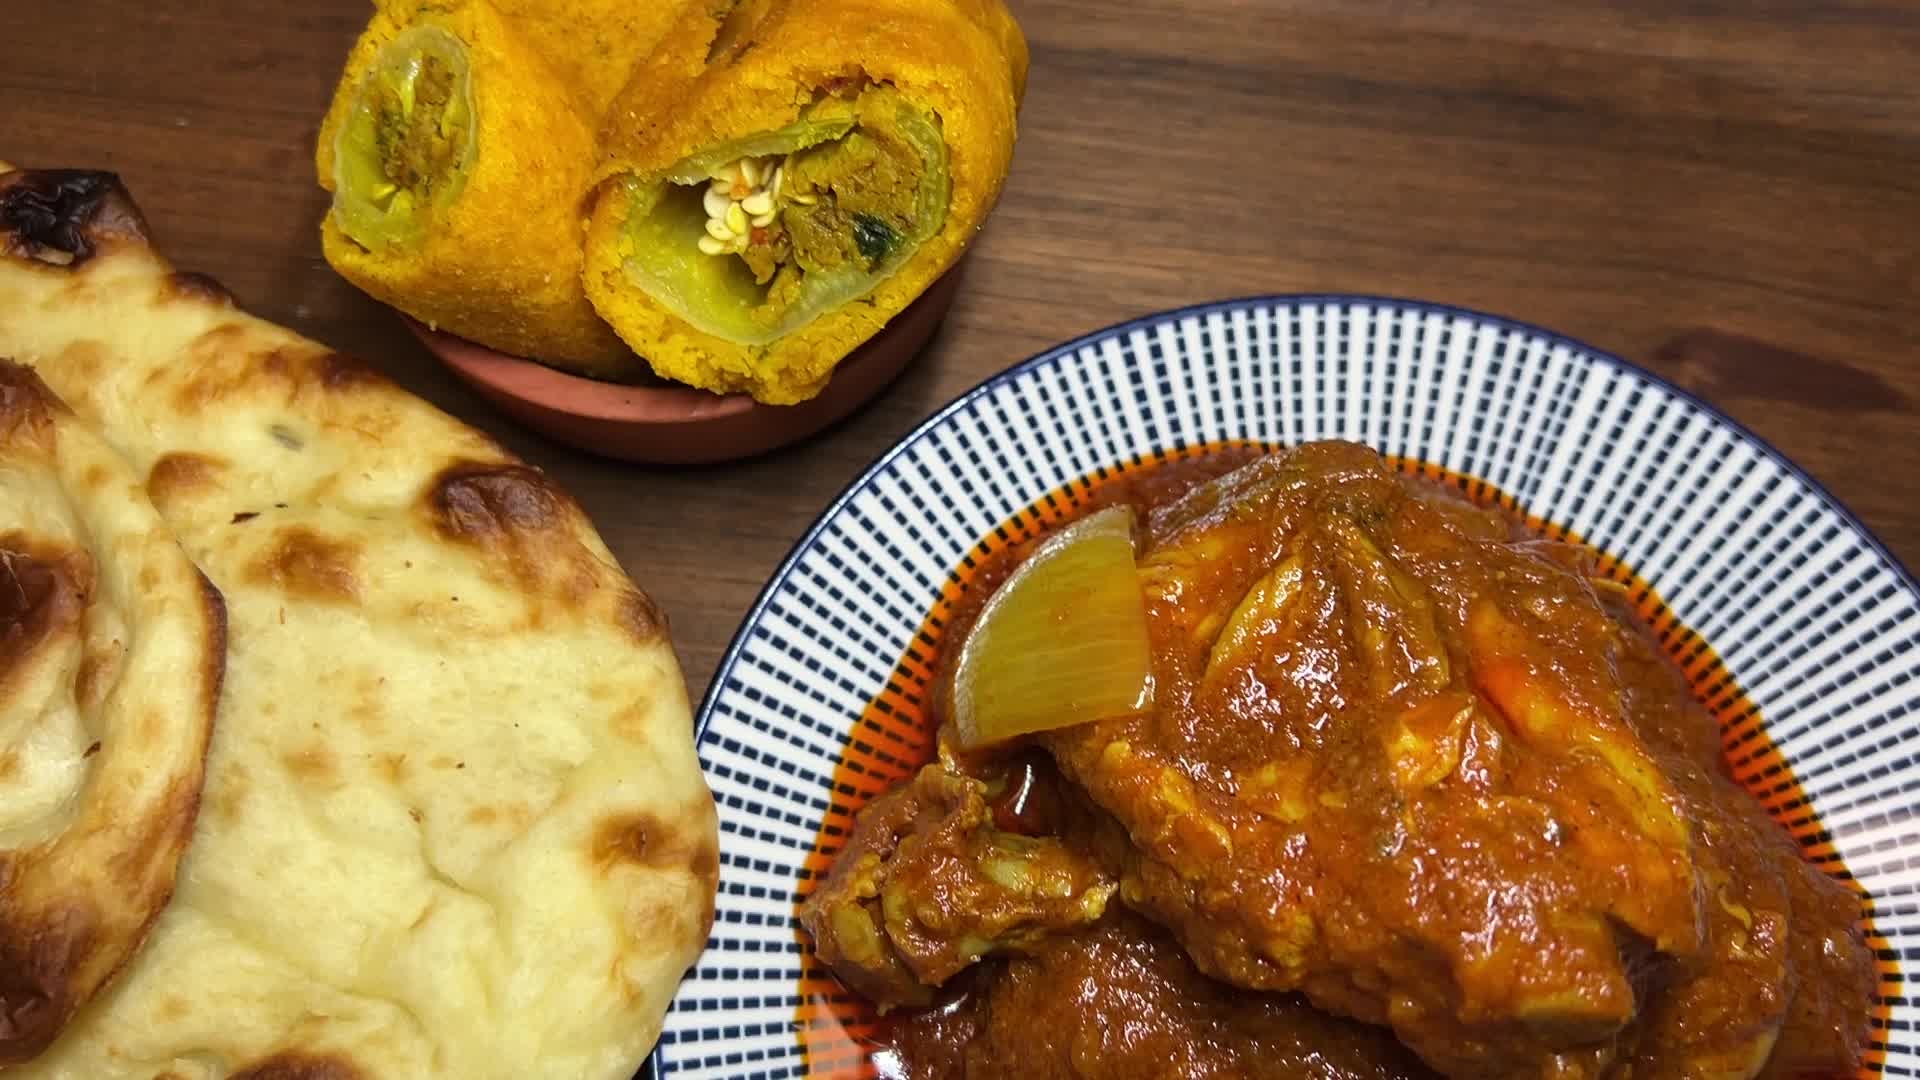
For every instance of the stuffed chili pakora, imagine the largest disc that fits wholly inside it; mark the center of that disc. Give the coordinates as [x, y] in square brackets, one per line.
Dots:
[458, 148]
[781, 178]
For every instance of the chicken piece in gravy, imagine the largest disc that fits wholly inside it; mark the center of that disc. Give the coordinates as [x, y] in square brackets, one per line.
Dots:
[1406, 760]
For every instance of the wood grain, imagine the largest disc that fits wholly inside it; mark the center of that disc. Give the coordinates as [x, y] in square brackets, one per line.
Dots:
[1725, 190]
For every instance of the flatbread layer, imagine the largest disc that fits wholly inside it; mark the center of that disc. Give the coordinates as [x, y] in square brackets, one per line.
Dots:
[111, 653]
[453, 821]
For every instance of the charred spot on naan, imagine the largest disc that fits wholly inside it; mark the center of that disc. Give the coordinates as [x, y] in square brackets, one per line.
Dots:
[313, 766]
[497, 507]
[304, 364]
[302, 563]
[705, 867]
[44, 592]
[182, 473]
[639, 840]
[192, 287]
[295, 1065]
[27, 406]
[649, 840]
[339, 372]
[233, 362]
[63, 217]
[204, 377]
[640, 617]
[86, 360]
[527, 531]
[221, 368]
[37, 958]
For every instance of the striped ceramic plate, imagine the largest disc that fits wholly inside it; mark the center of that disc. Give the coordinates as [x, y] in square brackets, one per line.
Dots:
[1811, 616]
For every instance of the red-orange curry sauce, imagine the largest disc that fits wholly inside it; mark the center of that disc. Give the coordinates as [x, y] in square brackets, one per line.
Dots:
[895, 736]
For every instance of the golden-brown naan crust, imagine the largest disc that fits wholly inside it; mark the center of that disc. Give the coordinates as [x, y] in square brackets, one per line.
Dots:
[453, 823]
[110, 638]
[296, 1066]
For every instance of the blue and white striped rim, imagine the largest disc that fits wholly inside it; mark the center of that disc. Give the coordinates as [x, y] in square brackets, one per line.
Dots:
[1817, 620]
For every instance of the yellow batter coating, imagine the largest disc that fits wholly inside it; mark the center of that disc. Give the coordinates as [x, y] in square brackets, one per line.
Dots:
[592, 46]
[874, 109]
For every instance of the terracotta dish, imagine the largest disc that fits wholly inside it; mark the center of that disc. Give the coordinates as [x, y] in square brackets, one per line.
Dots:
[668, 424]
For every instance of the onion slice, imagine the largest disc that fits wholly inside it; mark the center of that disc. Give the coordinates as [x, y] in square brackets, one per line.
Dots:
[1063, 641]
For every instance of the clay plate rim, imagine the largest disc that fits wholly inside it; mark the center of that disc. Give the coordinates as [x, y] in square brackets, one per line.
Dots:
[671, 424]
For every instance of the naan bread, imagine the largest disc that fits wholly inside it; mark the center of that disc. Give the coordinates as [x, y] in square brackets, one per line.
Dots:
[111, 651]
[453, 822]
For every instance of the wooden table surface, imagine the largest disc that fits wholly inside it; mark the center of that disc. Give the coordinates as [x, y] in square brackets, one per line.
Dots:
[1729, 194]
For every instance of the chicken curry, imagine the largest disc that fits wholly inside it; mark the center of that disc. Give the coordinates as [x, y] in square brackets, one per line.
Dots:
[1411, 792]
